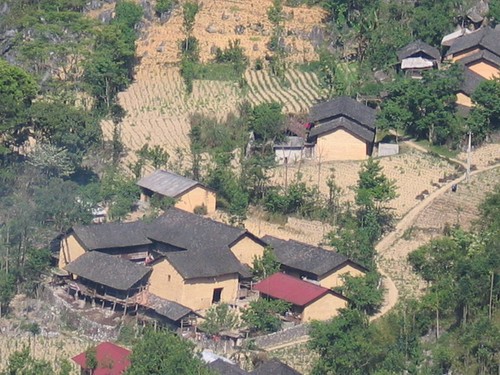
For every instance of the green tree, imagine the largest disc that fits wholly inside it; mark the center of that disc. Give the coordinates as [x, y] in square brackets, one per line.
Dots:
[22, 363]
[189, 11]
[163, 6]
[263, 315]
[266, 121]
[67, 127]
[17, 90]
[128, 13]
[91, 362]
[494, 12]
[219, 318]
[343, 344]
[266, 265]
[374, 189]
[7, 291]
[363, 292]
[159, 353]
[485, 115]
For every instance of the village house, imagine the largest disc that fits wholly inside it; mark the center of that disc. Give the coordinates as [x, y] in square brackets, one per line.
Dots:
[479, 51]
[342, 129]
[198, 261]
[194, 261]
[470, 81]
[127, 240]
[272, 366]
[291, 150]
[312, 263]
[309, 301]
[189, 195]
[417, 57]
[111, 360]
[107, 278]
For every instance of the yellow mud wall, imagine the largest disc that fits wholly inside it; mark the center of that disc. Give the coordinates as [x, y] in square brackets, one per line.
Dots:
[69, 250]
[197, 197]
[198, 292]
[464, 100]
[335, 279]
[166, 282]
[463, 54]
[485, 70]
[246, 250]
[324, 308]
[194, 293]
[340, 145]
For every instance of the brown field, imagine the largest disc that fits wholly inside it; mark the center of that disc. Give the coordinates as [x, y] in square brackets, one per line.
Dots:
[413, 172]
[159, 45]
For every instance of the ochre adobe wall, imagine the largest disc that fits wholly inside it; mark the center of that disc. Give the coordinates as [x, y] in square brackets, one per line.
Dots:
[324, 308]
[340, 145]
[246, 250]
[70, 249]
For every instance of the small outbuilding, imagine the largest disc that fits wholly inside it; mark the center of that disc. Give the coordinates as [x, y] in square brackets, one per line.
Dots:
[111, 360]
[190, 195]
[309, 301]
[417, 57]
[342, 129]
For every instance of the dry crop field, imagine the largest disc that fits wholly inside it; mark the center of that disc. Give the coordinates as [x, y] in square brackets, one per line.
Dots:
[216, 25]
[413, 171]
[459, 208]
[299, 91]
[158, 109]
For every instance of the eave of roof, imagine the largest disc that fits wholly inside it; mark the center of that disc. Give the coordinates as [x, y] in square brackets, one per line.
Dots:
[167, 183]
[417, 47]
[108, 270]
[346, 107]
[291, 289]
[341, 122]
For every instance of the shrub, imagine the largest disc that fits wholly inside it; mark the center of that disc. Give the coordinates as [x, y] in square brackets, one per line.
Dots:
[164, 6]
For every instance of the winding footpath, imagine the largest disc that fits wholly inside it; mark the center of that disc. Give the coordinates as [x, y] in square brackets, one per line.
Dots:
[392, 295]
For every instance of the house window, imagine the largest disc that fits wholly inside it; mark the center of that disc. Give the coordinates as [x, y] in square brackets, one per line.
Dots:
[169, 277]
[217, 294]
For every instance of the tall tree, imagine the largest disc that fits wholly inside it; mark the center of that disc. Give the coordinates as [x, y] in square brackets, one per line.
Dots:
[159, 353]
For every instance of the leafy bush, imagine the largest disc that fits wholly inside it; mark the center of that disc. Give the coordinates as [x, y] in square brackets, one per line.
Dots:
[263, 315]
[219, 318]
[164, 6]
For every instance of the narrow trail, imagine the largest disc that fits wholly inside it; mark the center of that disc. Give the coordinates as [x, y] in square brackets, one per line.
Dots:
[392, 294]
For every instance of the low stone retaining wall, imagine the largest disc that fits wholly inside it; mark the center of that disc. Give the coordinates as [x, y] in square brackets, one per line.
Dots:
[280, 338]
[74, 319]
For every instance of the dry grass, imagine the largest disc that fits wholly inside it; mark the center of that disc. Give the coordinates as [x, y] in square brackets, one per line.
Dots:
[159, 45]
[413, 172]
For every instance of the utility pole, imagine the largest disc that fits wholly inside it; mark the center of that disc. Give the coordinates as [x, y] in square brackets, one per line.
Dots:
[468, 157]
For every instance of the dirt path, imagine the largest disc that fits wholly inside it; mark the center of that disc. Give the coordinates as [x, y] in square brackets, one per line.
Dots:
[392, 293]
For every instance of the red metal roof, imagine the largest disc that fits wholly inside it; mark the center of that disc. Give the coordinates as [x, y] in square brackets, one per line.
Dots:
[290, 289]
[112, 359]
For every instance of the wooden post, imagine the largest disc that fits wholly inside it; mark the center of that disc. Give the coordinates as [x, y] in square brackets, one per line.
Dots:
[114, 305]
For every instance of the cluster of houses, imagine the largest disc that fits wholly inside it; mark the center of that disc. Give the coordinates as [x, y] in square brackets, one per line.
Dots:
[170, 270]
[344, 129]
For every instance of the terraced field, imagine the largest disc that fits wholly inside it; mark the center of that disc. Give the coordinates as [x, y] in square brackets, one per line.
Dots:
[297, 92]
[158, 110]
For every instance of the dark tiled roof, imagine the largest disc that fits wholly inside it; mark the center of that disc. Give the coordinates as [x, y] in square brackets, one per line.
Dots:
[304, 257]
[170, 309]
[222, 367]
[274, 367]
[167, 183]
[108, 270]
[206, 243]
[345, 107]
[361, 131]
[482, 55]
[470, 81]
[418, 47]
[111, 235]
[486, 38]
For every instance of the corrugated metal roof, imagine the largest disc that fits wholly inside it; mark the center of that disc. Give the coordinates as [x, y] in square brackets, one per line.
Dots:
[416, 63]
[111, 359]
[167, 183]
[290, 289]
